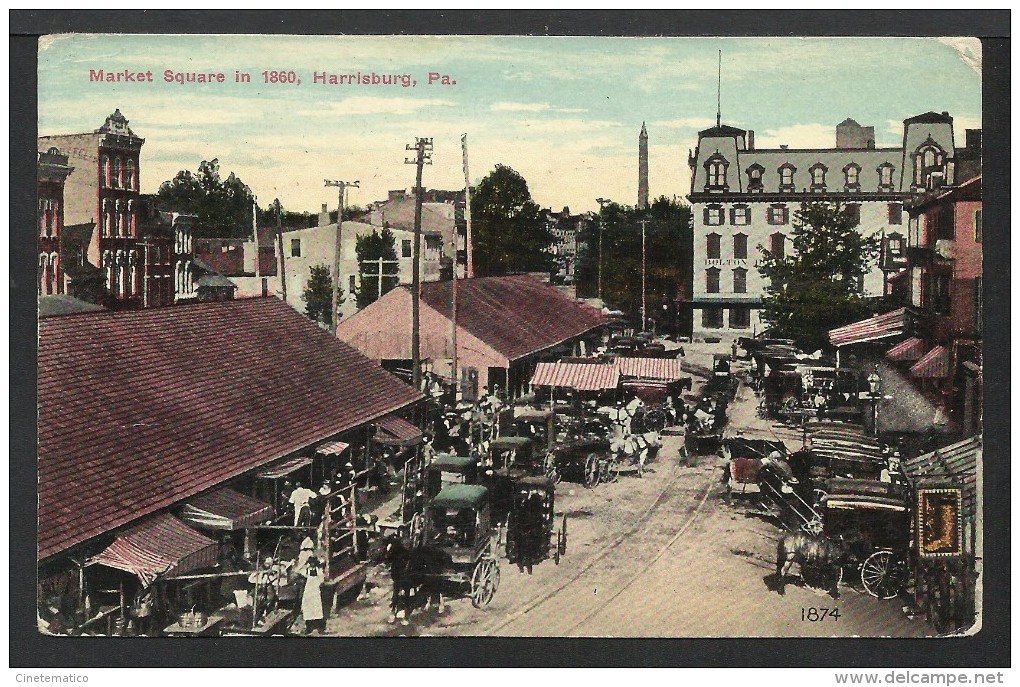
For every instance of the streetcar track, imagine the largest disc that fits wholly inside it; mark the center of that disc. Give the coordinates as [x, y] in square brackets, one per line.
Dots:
[662, 498]
[641, 520]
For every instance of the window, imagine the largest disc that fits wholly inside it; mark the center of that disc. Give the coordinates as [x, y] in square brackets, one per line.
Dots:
[352, 284]
[405, 248]
[885, 177]
[740, 318]
[786, 177]
[978, 299]
[853, 213]
[895, 243]
[712, 280]
[895, 213]
[739, 280]
[945, 226]
[778, 214]
[104, 170]
[940, 298]
[715, 172]
[131, 181]
[712, 247]
[777, 245]
[740, 215]
[740, 246]
[977, 226]
[712, 318]
[927, 159]
[118, 178]
[852, 174]
[818, 171]
[295, 248]
[713, 216]
[754, 180]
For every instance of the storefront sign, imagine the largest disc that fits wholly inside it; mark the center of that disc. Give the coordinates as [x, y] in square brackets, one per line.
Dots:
[939, 523]
[732, 262]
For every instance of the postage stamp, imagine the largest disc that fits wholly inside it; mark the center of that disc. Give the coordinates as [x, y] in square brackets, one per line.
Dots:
[467, 336]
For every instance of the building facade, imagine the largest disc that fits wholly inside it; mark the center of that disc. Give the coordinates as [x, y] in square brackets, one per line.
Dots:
[744, 199]
[105, 191]
[167, 256]
[53, 171]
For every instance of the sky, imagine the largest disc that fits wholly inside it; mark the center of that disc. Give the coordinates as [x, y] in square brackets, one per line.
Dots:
[564, 112]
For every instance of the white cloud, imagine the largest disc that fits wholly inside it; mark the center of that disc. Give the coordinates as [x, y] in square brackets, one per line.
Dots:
[798, 136]
[685, 123]
[371, 105]
[520, 107]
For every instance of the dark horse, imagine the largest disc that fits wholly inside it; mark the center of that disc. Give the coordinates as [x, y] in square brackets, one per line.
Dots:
[416, 574]
[816, 555]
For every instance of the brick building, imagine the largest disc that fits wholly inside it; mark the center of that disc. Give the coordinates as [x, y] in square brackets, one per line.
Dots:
[53, 172]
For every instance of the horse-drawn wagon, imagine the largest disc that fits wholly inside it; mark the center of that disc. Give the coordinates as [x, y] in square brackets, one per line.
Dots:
[531, 527]
[581, 452]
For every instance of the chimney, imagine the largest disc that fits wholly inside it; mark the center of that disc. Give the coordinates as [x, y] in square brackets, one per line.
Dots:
[324, 216]
[784, 146]
[750, 139]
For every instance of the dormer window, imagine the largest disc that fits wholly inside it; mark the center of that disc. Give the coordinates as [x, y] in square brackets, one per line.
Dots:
[786, 173]
[885, 177]
[754, 178]
[817, 172]
[852, 176]
[928, 159]
[715, 173]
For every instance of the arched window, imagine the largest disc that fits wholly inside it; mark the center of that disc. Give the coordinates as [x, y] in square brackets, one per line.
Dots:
[927, 159]
[777, 245]
[739, 280]
[885, 176]
[58, 286]
[754, 177]
[852, 177]
[118, 173]
[817, 172]
[715, 172]
[712, 280]
[130, 178]
[740, 246]
[104, 170]
[712, 250]
[44, 265]
[786, 173]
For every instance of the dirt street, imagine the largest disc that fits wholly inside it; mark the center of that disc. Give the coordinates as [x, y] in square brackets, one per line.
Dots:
[663, 555]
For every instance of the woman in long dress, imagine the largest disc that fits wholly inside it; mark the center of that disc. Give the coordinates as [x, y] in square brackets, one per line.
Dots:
[311, 598]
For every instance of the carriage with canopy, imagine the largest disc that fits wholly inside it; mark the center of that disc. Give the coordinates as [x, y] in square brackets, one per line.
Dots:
[531, 533]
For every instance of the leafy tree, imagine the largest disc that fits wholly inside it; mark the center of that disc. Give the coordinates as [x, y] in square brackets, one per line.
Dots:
[369, 248]
[318, 295]
[817, 287]
[223, 206]
[509, 233]
[668, 256]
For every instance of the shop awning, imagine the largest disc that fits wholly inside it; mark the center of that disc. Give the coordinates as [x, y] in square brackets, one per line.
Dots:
[667, 369]
[933, 365]
[162, 545]
[284, 468]
[225, 509]
[874, 328]
[332, 448]
[577, 376]
[393, 429]
[909, 350]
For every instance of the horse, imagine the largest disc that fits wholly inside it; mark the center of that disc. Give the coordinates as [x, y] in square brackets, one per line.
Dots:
[810, 552]
[414, 571]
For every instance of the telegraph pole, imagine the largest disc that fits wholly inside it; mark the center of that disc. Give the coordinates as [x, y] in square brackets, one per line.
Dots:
[602, 205]
[422, 156]
[342, 186]
[644, 318]
[278, 208]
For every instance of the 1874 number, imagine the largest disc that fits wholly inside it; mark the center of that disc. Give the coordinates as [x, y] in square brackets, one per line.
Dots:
[814, 614]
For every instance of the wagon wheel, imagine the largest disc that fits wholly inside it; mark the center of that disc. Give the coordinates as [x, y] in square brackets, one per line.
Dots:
[611, 470]
[562, 542]
[416, 530]
[655, 420]
[591, 471]
[484, 581]
[883, 574]
[550, 469]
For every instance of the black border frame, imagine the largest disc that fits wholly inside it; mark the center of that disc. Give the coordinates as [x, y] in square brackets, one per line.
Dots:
[989, 648]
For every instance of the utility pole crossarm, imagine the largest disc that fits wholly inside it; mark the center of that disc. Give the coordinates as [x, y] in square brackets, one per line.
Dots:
[423, 156]
[342, 187]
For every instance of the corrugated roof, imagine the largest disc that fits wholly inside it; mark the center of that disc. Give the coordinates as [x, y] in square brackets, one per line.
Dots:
[955, 465]
[140, 410]
[516, 315]
[910, 349]
[872, 329]
[225, 509]
[577, 376]
[668, 369]
[934, 364]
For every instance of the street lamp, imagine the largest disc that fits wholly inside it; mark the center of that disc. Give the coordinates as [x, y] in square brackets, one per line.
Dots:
[602, 206]
[875, 388]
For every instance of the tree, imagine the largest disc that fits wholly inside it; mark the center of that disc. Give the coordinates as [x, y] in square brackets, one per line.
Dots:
[509, 233]
[818, 286]
[668, 256]
[223, 206]
[318, 296]
[370, 248]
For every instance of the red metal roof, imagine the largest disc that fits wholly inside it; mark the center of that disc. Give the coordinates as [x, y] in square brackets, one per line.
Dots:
[910, 349]
[158, 545]
[516, 315]
[872, 329]
[577, 376]
[140, 410]
[225, 509]
[400, 429]
[934, 364]
[668, 369]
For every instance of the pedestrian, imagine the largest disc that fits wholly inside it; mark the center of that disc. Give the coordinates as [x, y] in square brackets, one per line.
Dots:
[300, 499]
[311, 598]
[305, 554]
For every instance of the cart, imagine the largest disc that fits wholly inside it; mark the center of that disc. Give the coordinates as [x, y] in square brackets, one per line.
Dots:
[531, 531]
[581, 452]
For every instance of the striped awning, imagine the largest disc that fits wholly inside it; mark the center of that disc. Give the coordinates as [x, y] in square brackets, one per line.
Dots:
[393, 429]
[225, 509]
[577, 376]
[933, 365]
[909, 350]
[332, 448]
[162, 545]
[874, 328]
[285, 467]
[667, 369]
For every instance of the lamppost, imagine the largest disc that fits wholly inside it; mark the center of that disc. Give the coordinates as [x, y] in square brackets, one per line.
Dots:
[602, 206]
[875, 388]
